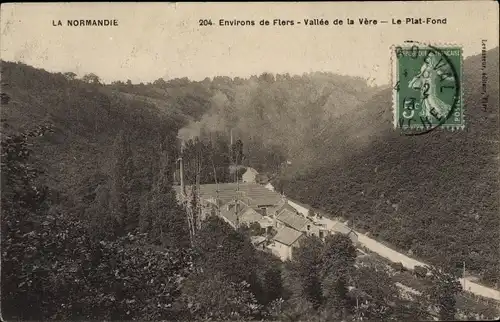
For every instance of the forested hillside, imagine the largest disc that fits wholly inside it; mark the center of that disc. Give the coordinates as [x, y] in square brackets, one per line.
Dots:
[454, 174]
[278, 117]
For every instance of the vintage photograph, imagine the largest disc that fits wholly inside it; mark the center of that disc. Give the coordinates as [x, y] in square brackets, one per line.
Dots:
[250, 161]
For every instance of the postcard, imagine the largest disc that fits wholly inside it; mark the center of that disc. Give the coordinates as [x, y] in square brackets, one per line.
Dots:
[257, 161]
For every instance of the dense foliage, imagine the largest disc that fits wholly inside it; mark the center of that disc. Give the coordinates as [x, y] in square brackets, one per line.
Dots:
[75, 195]
[52, 268]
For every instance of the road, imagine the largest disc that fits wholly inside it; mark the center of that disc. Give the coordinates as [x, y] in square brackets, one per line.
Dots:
[410, 263]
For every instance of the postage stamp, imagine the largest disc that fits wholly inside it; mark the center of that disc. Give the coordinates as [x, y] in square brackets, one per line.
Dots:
[427, 87]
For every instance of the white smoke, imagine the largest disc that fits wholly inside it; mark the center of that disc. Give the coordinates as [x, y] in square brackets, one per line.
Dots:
[212, 121]
[190, 132]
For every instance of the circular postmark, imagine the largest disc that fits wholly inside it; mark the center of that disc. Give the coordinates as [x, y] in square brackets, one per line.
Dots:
[428, 89]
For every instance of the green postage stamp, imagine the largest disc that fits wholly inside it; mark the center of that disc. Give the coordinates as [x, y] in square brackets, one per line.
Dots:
[427, 87]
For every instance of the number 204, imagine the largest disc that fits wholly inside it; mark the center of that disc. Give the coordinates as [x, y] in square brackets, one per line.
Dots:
[205, 22]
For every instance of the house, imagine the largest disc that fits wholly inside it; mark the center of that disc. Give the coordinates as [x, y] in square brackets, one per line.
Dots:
[329, 227]
[288, 216]
[284, 241]
[340, 228]
[250, 175]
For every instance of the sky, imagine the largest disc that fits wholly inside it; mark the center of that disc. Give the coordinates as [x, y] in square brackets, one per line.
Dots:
[155, 40]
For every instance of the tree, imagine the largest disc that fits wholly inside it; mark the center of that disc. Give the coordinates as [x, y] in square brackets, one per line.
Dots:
[132, 280]
[123, 170]
[91, 79]
[306, 264]
[161, 216]
[214, 297]
[220, 248]
[160, 82]
[376, 293]
[70, 75]
[237, 152]
[255, 229]
[273, 285]
[443, 286]
[226, 278]
[339, 256]
[117, 83]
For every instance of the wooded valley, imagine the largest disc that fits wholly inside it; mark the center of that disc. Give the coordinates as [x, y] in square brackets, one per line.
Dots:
[91, 228]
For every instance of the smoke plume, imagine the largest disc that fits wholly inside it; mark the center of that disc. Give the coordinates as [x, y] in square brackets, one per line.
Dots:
[212, 121]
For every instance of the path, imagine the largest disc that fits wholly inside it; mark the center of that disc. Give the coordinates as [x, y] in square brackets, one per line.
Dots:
[408, 262]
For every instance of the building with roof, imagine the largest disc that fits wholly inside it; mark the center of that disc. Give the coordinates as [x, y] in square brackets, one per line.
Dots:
[289, 216]
[249, 193]
[331, 227]
[249, 176]
[284, 241]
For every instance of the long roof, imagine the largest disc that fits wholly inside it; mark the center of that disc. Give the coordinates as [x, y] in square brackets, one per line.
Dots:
[292, 219]
[287, 235]
[251, 194]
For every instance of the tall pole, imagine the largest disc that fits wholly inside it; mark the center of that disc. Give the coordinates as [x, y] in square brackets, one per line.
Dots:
[237, 190]
[231, 147]
[357, 307]
[198, 175]
[217, 191]
[234, 154]
[463, 275]
[181, 171]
